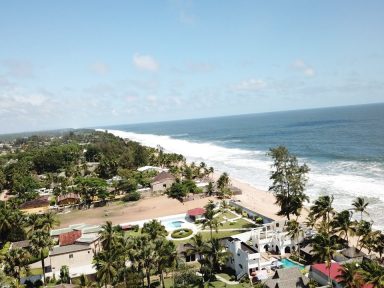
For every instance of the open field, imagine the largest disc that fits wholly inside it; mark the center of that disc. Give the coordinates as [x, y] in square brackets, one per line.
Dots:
[118, 212]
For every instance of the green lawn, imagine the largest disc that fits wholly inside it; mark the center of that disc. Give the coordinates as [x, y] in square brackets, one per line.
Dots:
[240, 223]
[207, 236]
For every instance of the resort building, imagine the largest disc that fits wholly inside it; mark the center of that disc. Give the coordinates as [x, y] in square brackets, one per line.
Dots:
[152, 168]
[287, 278]
[254, 250]
[162, 182]
[196, 214]
[321, 273]
[68, 199]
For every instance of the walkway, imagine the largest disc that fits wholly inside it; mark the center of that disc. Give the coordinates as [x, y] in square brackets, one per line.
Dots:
[218, 277]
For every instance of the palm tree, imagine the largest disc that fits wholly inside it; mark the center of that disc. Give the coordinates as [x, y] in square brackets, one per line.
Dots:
[85, 282]
[322, 208]
[209, 215]
[105, 267]
[154, 229]
[218, 254]
[145, 256]
[166, 257]
[362, 228]
[360, 206]
[349, 276]
[41, 241]
[373, 273]
[295, 231]
[379, 245]
[49, 221]
[198, 246]
[343, 224]
[369, 240]
[107, 236]
[323, 249]
[15, 261]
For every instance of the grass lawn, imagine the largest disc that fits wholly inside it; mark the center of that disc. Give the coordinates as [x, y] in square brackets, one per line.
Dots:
[207, 236]
[240, 223]
[133, 233]
[32, 272]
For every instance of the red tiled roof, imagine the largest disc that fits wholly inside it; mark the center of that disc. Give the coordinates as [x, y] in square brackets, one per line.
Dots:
[335, 268]
[196, 212]
[69, 238]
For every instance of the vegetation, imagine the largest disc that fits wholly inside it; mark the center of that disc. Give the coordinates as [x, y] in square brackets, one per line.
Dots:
[181, 233]
[289, 179]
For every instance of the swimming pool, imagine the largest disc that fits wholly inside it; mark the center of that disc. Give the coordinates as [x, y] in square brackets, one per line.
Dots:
[173, 224]
[289, 264]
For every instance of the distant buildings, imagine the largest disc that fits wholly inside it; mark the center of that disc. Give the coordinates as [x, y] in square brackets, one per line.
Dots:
[162, 181]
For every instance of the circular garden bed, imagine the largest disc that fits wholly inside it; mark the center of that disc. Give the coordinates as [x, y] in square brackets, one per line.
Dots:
[181, 233]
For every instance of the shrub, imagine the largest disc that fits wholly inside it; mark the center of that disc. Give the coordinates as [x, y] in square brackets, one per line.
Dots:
[231, 223]
[181, 233]
[259, 220]
[133, 196]
[135, 228]
[238, 210]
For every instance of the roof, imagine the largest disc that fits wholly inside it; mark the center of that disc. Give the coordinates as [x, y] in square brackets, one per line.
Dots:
[245, 247]
[88, 238]
[20, 244]
[69, 238]
[68, 196]
[307, 249]
[352, 252]
[163, 176]
[196, 212]
[182, 248]
[39, 202]
[287, 278]
[68, 249]
[57, 232]
[335, 270]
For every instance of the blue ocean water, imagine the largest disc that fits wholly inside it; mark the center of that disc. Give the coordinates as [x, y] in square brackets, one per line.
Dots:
[343, 146]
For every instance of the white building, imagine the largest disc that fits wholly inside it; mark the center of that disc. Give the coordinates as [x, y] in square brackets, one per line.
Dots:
[251, 250]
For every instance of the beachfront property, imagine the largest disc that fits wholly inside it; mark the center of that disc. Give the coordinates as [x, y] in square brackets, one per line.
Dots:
[152, 168]
[258, 249]
[287, 278]
[196, 214]
[162, 182]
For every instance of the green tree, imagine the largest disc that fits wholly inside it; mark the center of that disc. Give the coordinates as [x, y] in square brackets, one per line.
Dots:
[106, 267]
[15, 261]
[154, 229]
[372, 273]
[349, 276]
[198, 246]
[343, 224]
[41, 241]
[295, 232]
[360, 206]
[167, 257]
[64, 274]
[289, 180]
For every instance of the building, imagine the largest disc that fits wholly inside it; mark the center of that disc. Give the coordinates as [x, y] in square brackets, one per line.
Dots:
[39, 205]
[287, 278]
[68, 199]
[162, 182]
[77, 245]
[321, 273]
[152, 168]
[251, 250]
[20, 244]
[196, 214]
[349, 254]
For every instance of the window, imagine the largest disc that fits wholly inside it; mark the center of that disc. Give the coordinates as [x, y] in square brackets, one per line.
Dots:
[70, 256]
[241, 266]
[165, 185]
[190, 258]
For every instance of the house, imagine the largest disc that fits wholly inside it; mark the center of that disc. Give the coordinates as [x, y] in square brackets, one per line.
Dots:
[162, 182]
[307, 253]
[42, 201]
[68, 199]
[287, 278]
[196, 213]
[77, 245]
[184, 250]
[251, 250]
[73, 256]
[321, 273]
[69, 238]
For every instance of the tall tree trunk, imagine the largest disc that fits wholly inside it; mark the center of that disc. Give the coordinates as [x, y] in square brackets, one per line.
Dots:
[43, 266]
[148, 278]
[162, 279]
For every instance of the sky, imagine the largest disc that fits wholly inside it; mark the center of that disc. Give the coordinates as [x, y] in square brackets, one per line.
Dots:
[89, 63]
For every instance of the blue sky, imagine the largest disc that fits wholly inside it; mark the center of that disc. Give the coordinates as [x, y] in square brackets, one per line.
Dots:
[89, 63]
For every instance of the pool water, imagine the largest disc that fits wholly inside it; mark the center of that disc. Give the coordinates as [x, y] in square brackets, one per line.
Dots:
[174, 224]
[289, 264]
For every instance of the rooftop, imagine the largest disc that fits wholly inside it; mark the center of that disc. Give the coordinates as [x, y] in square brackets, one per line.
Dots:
[196, 212]
[163, 176]
[68, 249]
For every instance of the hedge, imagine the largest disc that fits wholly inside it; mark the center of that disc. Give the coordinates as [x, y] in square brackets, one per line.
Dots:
[181, 233]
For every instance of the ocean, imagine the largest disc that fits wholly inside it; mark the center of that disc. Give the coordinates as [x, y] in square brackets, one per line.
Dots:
[343, 146]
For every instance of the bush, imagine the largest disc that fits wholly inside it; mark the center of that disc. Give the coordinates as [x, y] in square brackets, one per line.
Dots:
[181, 233]
[259, 220]
[133, 196]
[231, 223]
[135, 228]
[238, 210]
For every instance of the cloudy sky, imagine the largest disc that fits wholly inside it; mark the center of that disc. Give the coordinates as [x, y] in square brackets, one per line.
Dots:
[89, 63]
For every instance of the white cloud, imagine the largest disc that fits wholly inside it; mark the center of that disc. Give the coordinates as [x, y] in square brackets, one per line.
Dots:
[18, 68]
[249, 85]
[306, 69]
[100, 68]
[145, 62]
